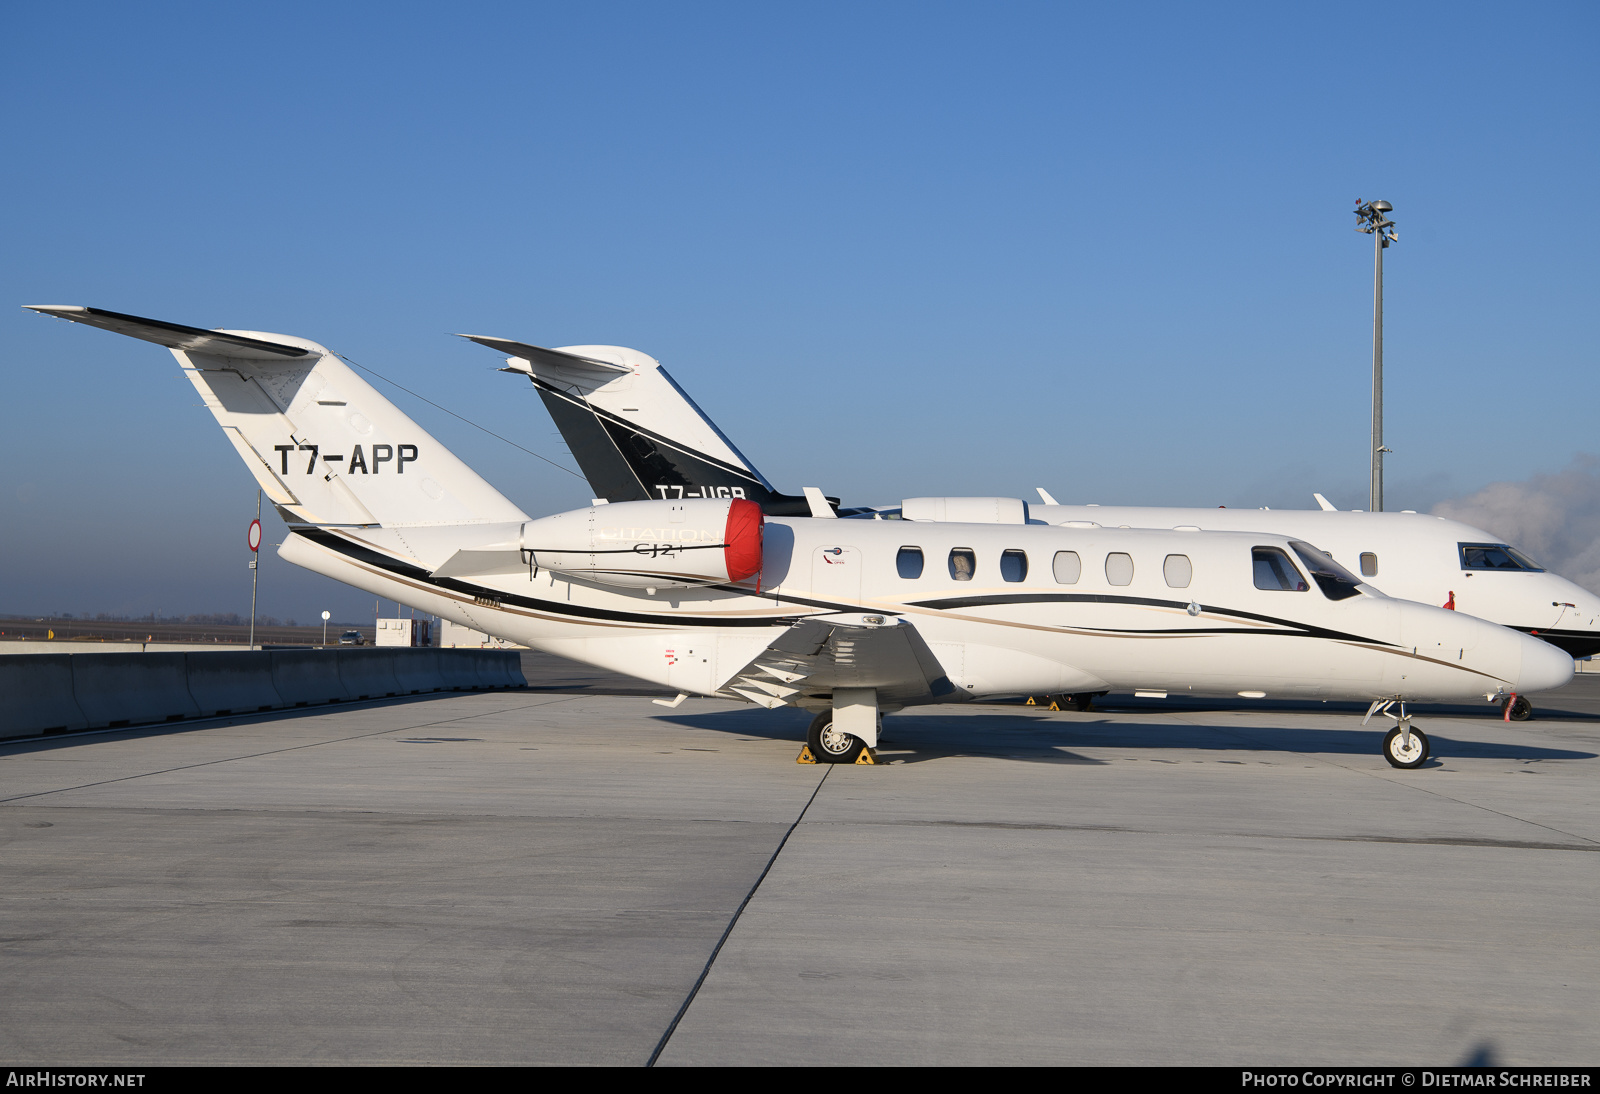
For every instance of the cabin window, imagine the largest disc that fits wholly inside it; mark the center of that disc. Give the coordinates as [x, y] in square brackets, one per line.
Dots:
[908, 563]
[963, 563]
[1014, 565]
[1369, 564]
[1178, 571]
[1067, 567]
[1495, 556]
[1119, 568]
[1274, 572]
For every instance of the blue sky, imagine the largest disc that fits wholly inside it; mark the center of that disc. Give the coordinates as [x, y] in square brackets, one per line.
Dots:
[894, 249]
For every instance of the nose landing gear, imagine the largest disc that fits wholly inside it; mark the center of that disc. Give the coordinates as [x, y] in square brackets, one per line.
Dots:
[1403, 746]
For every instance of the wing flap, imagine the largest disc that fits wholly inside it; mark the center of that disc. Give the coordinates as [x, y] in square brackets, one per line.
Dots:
[819, 654]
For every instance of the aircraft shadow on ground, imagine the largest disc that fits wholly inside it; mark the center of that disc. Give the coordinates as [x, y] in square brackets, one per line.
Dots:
[1038, 738]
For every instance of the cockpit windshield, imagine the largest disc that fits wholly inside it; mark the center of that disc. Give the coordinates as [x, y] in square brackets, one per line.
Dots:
[1334, 580]
[1496, 556]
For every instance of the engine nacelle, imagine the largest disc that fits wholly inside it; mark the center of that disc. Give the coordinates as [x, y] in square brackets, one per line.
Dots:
[650, 544]
[966, 510]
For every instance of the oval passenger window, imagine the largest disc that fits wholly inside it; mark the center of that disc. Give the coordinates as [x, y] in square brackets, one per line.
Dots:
[1369, 564]
[1178, 571]
[1119, 568]
[1067, 566]
[908, 563]
[962, 563]
[1014, 565]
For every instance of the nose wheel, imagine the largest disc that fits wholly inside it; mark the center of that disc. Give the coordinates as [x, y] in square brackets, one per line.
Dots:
[1404, 746]
[1516, 708]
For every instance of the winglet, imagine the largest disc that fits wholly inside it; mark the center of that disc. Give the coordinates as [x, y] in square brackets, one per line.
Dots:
[1044, 496]
[1327, 506]
[819, 504]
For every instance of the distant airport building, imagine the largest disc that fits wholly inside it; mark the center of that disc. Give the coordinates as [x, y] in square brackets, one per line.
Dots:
[455, 636]
[405, 632]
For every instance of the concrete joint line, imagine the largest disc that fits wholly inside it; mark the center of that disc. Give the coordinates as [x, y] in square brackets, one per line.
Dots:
[739, 911]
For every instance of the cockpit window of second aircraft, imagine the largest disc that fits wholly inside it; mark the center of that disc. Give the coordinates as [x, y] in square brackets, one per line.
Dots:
[1495, 556]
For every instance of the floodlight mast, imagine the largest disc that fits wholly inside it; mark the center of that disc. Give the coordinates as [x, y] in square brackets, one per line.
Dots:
[1372, 218]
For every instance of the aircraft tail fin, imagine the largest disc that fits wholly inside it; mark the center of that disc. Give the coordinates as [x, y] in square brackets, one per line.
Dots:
[635, 433]
[326, 447]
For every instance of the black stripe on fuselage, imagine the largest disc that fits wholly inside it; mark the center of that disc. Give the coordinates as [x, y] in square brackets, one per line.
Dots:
[1300, 630]
[1574, 644]
[366, 556]
[360, 553]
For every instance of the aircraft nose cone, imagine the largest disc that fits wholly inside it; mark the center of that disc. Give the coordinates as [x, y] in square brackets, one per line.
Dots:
[1544, 666]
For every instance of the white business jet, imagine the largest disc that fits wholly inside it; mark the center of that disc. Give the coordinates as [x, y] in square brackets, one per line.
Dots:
[848, 619]
[636, 434]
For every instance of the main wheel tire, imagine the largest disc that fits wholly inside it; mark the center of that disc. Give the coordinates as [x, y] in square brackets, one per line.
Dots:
[1520, 709]
[832, 746]
[1083, 701]
[1399, 757]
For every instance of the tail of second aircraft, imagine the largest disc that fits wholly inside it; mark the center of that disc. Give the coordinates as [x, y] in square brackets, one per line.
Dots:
[601, 397]
[321, 442]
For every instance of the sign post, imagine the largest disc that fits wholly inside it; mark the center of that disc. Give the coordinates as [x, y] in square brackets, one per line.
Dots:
[325, 617]
[254, 539]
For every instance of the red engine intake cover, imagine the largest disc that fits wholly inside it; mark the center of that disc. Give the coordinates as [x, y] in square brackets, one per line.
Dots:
[743, 537]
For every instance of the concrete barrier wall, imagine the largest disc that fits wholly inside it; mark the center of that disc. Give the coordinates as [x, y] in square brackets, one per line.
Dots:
[60, 692]
[417, 671]
[499, 668]
[458, 670]
[307, 677]
[36, 696]
[368, 674]
[232, 683]
[115, 689]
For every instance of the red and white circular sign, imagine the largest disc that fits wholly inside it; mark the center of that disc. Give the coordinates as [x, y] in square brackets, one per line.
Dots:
[255, 535]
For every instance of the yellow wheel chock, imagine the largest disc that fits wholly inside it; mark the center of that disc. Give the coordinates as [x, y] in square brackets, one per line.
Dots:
[867, 757]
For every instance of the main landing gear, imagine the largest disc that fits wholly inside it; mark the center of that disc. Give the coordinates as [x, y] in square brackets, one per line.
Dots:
[1403, 746]
[846, 734]
[830, 745]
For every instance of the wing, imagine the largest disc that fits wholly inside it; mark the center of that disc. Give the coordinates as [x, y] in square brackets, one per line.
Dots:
[816, 655]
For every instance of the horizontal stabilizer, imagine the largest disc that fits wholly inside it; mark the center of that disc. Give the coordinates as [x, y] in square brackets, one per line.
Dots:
[552, 358]
[172, 335]
[496, 558]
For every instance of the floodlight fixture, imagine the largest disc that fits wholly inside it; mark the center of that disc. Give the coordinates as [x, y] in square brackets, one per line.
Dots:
[1372, 219]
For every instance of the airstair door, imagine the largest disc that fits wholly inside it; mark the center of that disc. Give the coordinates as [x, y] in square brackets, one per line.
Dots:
[836, 576]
